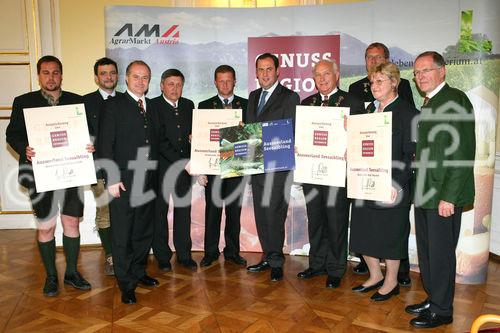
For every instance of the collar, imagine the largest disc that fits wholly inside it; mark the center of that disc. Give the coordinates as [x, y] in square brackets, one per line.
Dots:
[105, 94]
[271, 90]
[436, 90]
[51, 99]
[143, 98]
[230, 99]
[333, 92]
[376, 103]
[173, 104]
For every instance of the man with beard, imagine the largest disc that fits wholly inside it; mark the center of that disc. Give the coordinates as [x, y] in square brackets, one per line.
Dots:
[106, 78]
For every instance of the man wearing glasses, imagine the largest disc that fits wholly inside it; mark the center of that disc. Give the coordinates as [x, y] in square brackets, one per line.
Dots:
[376, 54]
[444, 186]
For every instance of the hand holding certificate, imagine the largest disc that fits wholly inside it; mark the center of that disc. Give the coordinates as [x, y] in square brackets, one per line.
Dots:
[59, 136]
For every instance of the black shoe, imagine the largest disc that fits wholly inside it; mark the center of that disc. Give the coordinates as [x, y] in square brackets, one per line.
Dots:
[276, 273]
[189, 263]
[404, 280]
[419, 307]
[261, 266]
[360, 269]
[128, 297]
[332, 282]
[51, 287]
[165, 267]
[365, 289]
[309, 273]
[377, 297]
[77, 281]
[237, 259]
[429, 319]
[148, 281]
[207, 260]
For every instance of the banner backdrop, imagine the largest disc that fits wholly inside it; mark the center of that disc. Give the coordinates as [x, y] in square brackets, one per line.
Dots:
[197, 40]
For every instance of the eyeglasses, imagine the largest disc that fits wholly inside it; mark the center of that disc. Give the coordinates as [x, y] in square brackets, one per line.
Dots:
[378, 82]
[425, 71]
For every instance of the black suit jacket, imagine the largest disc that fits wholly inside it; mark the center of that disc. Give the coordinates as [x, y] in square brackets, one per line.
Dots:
[403, 151]
[176, 128]
[340, 98]
[122, 131]
[362, 89]
[16, 134]
[280, 105]
[93, 106]
[216, 103]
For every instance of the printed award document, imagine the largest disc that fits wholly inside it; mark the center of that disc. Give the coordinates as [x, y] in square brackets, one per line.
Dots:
[321, 143]
[59, 135]
[205, 138]
[369, 154]
[256, 148]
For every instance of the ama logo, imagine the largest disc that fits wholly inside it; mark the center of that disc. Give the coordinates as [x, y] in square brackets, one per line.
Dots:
[146, 34]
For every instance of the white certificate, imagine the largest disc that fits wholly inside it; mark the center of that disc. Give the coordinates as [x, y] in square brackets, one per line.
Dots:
[321, 142]
[205, 138]
[59, 135]
[369, 155]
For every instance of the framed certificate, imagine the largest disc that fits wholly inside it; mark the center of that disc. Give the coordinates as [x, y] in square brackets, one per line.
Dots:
[205, 138]
[369, 156]
[59, 135]
[321, 143]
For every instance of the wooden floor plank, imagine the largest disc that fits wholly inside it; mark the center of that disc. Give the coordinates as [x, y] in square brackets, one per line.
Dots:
[221, 298]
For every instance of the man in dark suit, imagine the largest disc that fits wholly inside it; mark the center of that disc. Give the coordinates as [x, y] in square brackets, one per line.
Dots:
[216, 190]
[375, 54]
[442, 190]
[271, 191]
[106, 78]
[328, 206]
[176, 114]
[129, 135]
[45, 204]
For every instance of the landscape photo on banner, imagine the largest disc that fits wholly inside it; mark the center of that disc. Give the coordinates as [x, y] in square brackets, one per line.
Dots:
[197, 40]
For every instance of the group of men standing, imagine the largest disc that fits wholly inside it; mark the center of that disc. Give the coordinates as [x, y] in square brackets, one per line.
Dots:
[149, 142]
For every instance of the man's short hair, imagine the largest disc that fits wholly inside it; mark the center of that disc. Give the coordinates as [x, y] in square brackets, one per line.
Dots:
[48, 58]
[268, 55]
[389, 69]
[137, 62]
[330, 62]
[378, 46]
[224, 69]
[436, 58]
[172, 72]
[103, 62]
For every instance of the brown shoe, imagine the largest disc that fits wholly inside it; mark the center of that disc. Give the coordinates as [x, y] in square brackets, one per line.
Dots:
[108, 265]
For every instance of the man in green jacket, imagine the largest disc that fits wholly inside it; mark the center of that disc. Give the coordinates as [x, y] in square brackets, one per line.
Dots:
[444, 186]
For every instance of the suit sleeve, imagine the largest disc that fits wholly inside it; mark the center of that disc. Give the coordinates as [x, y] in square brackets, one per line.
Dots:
[16, 135]
[106, 137]
[456, 176]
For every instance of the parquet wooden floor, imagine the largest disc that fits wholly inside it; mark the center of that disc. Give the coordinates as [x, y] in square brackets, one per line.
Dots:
[220, 298]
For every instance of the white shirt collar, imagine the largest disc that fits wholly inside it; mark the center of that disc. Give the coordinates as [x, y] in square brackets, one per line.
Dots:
[174, 104]
[143, 98]
[329, 95]
[230, 99]
[436, 90]
[105, 94]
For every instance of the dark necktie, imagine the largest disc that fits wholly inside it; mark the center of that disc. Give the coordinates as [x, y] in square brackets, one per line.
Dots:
[325, 101]
[426, 100]
[226, 104]
[141, 107]
[262, 102]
